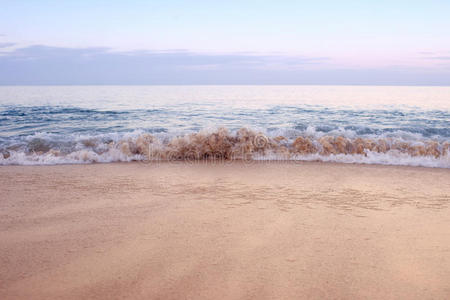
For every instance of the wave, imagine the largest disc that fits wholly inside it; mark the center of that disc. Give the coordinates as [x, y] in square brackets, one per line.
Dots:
[344, 146]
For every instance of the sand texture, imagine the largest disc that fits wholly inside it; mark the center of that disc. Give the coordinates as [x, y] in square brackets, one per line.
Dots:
[224, 231]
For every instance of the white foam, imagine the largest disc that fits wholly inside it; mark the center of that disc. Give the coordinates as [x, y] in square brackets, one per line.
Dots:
[124, 147]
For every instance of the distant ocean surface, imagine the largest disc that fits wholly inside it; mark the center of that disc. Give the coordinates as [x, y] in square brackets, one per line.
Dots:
[350, 124]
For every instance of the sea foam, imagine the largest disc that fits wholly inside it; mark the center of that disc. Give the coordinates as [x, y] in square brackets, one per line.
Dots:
[222, 144]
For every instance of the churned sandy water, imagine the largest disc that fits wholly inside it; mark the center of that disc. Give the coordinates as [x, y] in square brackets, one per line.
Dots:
[389, 125]
[224, 231]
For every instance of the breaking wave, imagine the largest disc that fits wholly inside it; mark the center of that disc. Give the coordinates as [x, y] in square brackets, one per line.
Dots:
[309, 144]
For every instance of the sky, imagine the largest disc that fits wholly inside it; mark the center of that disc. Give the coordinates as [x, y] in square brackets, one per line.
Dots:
[225, 42]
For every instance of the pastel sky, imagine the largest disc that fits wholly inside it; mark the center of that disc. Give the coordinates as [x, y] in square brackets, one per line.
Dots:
[225, 42]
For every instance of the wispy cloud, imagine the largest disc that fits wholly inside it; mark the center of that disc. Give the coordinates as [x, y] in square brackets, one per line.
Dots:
[426, 53]
[436, 55]
[166, 58]
[5, 45]
[57, 65]
[440, 57]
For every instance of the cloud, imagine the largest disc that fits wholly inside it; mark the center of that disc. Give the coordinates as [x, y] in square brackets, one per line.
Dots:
[4, 45]
[426, 53]
[436, 55]
[440, 57]
[57, 65]
[177, 58]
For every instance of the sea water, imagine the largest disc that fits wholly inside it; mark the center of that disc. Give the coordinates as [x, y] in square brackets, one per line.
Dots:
[396, 125]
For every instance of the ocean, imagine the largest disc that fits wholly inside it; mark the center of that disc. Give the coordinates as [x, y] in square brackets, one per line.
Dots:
[393, 125]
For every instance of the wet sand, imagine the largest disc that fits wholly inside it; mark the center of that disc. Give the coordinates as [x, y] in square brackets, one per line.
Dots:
[224, 231]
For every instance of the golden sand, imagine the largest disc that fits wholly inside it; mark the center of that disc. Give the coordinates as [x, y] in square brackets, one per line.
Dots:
[224, 231]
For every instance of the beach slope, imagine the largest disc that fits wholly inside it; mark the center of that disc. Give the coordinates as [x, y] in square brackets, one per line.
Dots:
[224, 231]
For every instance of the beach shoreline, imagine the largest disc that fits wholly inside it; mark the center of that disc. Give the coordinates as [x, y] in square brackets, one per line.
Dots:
[229, 230]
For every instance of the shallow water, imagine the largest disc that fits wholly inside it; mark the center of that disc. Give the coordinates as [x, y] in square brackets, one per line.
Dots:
[83, 124]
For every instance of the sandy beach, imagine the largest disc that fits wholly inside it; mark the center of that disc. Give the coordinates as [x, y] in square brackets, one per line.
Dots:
[224, 231]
